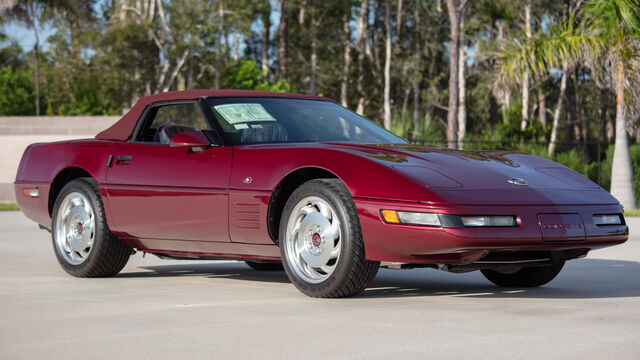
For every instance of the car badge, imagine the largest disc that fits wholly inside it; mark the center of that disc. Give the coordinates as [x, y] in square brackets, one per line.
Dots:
[518, 181]
[247, 180]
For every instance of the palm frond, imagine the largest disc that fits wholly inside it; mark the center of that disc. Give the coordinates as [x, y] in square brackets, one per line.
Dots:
[566, 41]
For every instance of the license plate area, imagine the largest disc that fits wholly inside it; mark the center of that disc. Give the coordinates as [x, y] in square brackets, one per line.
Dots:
[561, 227]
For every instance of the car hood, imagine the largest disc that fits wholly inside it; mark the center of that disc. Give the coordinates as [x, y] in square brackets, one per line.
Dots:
[494, 177]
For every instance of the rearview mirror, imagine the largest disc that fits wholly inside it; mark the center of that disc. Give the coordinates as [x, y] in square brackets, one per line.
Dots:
[196, 140]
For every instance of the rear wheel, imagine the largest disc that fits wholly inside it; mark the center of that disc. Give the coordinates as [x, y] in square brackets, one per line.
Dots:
[265, 266]
[525, 277]
[83, 243]
[321, 241]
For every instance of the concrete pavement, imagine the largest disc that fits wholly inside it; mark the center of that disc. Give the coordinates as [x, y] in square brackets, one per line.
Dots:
[161, 309]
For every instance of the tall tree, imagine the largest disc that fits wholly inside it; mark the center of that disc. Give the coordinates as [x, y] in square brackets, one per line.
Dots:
[282, 41]
[364, 50]
[387, 65]
[266, 24]
[455, 8]
[462, 85]
[346, 66]
[36, 14]
[617, 23]
[525, 76]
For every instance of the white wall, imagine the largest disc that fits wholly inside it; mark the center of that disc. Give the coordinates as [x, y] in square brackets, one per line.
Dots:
[17, 132]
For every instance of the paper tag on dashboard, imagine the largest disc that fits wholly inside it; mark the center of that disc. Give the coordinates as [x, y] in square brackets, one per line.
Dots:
[243, 113]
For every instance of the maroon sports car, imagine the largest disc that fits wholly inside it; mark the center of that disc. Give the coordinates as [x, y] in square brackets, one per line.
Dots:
[295, 181]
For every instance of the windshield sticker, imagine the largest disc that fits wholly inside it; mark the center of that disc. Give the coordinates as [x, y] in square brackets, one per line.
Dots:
[243, 113]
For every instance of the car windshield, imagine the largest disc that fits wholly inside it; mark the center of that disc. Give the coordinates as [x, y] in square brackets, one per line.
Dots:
[280, 120]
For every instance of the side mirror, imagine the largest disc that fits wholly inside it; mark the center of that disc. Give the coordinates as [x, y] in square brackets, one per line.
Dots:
[196, 140]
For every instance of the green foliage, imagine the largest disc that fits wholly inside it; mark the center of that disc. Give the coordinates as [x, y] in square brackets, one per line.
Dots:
[9, 207]
[248, 76]
[509, 130]
[635, 162]
[16, 87]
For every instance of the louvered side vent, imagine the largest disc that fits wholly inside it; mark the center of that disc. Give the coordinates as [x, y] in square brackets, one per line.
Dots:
[246, 216]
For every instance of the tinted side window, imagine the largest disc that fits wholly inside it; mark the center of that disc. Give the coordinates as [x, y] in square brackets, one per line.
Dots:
[166, 121]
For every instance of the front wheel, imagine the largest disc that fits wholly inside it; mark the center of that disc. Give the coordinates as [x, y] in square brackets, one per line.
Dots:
[525, 277]
[83, 243]
[321, 241]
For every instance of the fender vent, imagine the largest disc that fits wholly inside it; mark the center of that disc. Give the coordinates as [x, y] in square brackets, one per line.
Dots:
[246, 216]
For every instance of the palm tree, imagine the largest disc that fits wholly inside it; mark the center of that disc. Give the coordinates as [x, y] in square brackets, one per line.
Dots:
[611, 30]
[32, 14]
[617, 24]
[35, 14]
[556, 50]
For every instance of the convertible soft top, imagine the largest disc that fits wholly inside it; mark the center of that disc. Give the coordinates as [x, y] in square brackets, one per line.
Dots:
[121, 130]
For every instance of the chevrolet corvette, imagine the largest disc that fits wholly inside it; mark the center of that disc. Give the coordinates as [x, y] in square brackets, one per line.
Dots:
[297, 182]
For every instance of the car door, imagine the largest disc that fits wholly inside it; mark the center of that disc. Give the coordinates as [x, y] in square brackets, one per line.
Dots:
[155, 191]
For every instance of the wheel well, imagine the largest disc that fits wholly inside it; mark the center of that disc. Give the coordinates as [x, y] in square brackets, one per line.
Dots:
[61, 180]
[284, 189]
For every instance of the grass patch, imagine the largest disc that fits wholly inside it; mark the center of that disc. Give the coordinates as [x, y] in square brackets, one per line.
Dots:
[635, 212]
[9, 207]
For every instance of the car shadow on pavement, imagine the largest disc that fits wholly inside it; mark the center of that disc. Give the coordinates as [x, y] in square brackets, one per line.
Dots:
[232, 270]
[580, 279]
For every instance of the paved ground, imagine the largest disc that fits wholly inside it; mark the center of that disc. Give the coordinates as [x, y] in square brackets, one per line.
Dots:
[162, 309]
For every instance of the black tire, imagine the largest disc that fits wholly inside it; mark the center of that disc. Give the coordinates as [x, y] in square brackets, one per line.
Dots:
[265, 266]
[352, 272]
[525, 277]
[108, 255]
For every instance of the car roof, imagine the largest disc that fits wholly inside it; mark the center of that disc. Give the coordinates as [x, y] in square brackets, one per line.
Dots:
[123, 128]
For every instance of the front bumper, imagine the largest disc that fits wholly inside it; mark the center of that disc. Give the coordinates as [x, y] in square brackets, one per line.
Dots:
[440, 245]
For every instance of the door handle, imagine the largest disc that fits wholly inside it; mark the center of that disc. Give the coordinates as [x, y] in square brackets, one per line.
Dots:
[122, 159]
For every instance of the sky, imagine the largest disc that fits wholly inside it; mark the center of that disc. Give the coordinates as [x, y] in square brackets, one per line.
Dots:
[26, 39]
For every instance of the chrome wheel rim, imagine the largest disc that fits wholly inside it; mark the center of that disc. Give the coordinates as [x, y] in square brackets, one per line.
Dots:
[313, 239]
[75, 228]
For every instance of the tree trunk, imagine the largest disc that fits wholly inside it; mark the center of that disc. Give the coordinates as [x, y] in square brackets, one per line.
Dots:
[314, 56]
[399, 13]
[525, 77]
[302, 13]
[558, 110]
[282, 41]
[415, 81]
[387, 65]
[454, 51]
[417, 128]
[36, 68]
[542, 106]
[363, 40]
[621, 170]
[604, 114]
[462, 86]
[236, 49]
[610, 126]
[570, 111]
[218, 70]
[266, 24]
[581, 127]
[344, 84]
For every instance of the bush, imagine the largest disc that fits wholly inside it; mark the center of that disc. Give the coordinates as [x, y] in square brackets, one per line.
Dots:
[17, 92]
[248, 76]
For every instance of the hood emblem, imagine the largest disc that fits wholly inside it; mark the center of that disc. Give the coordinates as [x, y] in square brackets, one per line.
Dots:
[518, 181]
[248, 180]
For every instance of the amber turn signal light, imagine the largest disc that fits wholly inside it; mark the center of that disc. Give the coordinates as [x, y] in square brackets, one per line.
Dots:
[390, 216]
